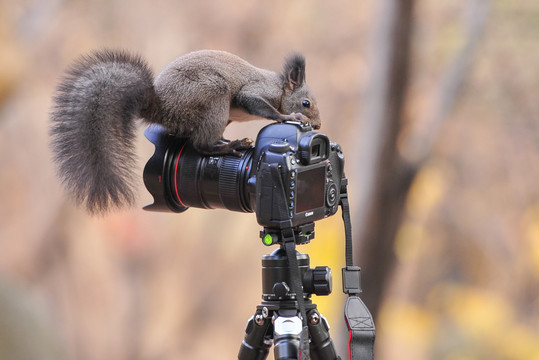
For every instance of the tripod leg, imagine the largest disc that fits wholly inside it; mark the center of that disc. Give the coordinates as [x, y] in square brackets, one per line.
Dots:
[256, 343]
[322, 347]
[287, 333]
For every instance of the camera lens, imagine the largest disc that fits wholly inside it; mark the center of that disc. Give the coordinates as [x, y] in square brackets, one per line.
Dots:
[178, 177]
[210, 181]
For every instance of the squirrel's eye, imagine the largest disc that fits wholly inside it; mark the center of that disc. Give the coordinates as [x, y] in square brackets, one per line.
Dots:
[306, 103]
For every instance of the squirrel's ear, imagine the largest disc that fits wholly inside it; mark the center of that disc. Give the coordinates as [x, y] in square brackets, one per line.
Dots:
[294, 71]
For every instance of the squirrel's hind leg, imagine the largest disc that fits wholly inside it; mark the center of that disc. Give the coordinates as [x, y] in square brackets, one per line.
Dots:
[207, 136]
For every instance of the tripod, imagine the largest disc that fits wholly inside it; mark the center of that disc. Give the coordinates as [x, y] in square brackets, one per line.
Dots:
[277, 319]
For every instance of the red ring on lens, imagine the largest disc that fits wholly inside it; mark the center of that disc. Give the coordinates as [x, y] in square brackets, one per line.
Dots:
[176, 175]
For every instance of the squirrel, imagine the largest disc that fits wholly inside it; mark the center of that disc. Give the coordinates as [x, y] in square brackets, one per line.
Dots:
[196, 96]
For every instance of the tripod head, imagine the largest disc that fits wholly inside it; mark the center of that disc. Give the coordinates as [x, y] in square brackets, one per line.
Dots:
[277, 277]
[276, 274]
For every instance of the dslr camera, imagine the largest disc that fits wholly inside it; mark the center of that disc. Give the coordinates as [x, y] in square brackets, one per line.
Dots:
[290, 178]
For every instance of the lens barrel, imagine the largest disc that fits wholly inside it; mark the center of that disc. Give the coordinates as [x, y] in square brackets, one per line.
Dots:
[210, 182]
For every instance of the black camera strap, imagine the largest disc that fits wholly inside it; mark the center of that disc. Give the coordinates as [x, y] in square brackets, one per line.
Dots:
[289, 243]
[358, 318]
[290, 248]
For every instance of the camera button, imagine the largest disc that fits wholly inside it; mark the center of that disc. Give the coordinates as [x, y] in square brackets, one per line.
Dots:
[331, 196]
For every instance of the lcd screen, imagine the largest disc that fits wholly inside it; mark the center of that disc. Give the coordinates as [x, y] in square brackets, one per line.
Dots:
[310, 189]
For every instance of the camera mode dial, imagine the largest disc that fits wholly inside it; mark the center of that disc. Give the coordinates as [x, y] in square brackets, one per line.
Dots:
[280, 147]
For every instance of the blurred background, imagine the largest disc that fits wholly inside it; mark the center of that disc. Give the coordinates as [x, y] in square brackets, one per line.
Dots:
[436, 107]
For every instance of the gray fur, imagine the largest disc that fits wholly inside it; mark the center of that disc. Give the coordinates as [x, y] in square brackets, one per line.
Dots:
[195, 96]
[92, 127]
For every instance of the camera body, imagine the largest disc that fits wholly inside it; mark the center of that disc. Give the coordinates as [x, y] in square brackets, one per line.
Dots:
[311, 171]
[293, 175]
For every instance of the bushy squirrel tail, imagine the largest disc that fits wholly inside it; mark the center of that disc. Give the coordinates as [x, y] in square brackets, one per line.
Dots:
[93, 127]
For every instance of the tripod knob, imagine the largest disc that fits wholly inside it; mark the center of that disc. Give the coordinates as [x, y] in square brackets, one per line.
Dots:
[318, 281]
[281, 289]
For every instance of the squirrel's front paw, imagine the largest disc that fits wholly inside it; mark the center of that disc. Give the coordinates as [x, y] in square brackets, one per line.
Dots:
[242, 144]
[236, 145]
[297, 117]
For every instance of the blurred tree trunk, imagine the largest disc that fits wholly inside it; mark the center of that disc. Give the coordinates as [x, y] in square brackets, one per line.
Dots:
[383, 175]
[383, 178]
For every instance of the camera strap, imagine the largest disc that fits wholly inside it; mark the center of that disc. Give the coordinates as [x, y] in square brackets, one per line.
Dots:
[289, 243]
[358, 318]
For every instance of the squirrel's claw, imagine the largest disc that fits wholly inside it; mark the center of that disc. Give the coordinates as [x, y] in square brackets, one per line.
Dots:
[300, 117]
